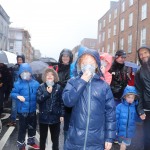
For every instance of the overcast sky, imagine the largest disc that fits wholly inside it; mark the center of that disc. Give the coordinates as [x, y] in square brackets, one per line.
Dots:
[56, 24]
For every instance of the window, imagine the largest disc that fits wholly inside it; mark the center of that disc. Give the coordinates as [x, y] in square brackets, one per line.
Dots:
[115, 13]
[130, 2]
[108, 48]
[109, 33]
[104, 23]
[122, 25]
[123, 6]
[100, 26]
[144, 12]
[115, 29]
[130, 43]
[121, 43]
[109, 17]
[100, 38]
[114, 47]
[103, 38]
[103, 49]
[143, 36]
[130, 19]
[11, 46]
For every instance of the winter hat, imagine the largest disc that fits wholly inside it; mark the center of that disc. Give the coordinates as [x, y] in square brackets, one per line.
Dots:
[120, 53]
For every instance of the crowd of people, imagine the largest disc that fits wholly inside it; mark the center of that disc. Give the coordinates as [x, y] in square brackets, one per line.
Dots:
[99, 99]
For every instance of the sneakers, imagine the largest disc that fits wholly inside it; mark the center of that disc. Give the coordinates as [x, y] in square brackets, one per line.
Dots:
[22, 148]
[11, 124]
[34, 146]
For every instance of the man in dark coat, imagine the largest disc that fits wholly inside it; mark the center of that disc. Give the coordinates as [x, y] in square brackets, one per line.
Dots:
[119, 75]
[142, 83]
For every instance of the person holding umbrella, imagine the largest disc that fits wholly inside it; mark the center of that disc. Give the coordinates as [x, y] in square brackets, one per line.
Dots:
[119, 76]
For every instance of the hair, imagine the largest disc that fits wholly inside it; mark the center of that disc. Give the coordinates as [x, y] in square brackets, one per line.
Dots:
[56, 78]
[136, 97]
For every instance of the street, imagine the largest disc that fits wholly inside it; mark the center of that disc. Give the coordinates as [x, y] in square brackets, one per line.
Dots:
[8, 137]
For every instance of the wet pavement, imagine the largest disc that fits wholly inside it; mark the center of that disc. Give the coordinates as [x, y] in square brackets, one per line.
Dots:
[10, 135]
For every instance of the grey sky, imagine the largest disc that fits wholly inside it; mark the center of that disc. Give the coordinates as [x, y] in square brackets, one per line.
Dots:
[56, 24]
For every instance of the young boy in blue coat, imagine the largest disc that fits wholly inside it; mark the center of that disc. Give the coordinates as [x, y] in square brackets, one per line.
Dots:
[93, 119]
[126, 116]
[24, 92]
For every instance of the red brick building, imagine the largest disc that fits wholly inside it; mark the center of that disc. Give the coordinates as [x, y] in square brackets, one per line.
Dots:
[90, 43]
[126, 25]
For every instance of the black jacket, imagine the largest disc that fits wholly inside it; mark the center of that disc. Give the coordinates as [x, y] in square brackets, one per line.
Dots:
[64, 76]
[142, 83]
[119, 79]
[51, 106]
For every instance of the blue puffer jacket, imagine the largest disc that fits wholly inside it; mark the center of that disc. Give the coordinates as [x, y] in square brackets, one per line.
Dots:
[27, 89]
[126, 115]
[93, 119]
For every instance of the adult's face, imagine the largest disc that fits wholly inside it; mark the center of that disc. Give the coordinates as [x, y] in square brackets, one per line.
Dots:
[19, 61]
[144, 55]
[120, 59]
[65, 59]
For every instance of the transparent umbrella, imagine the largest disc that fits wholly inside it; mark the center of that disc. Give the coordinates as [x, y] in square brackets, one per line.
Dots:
[3, 57]
[38, 67]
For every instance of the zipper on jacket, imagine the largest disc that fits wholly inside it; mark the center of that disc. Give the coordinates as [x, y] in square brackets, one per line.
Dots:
[29, 96]
[127, 122]
[88, 117]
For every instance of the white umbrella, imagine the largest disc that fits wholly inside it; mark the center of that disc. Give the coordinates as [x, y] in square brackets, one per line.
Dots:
[11, 57]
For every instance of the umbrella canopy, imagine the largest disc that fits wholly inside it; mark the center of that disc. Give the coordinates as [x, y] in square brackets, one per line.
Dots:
[3, 57]
[134, 66]
[50, 61]
[131, 64]
[38, 67]
[12, 58]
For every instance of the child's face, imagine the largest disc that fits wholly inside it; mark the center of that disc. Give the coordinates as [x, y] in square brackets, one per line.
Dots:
[49, 76]
[65, 59]
[88, 60]
[130, 98]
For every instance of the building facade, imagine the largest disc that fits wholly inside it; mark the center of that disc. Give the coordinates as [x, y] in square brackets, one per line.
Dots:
[19, 43]
[90, 43]
[4, 27]
[125, 26]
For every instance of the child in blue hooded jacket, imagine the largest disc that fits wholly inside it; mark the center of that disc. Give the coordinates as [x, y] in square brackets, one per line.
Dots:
[126, 116]
[93, 119]
[24, 92]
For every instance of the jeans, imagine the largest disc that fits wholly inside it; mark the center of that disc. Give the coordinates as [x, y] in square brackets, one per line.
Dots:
[55, 130]
[146, 128]
[13, 111]
[26, 121]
